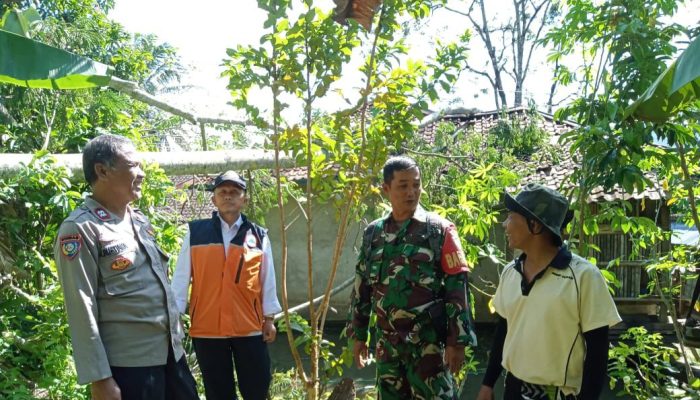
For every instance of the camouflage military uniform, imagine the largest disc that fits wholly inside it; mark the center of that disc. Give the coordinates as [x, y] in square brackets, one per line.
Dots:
[420, 301]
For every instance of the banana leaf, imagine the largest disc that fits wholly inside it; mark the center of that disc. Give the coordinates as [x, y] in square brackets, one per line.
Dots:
[20, 22]
[27, 62]
[675, 89]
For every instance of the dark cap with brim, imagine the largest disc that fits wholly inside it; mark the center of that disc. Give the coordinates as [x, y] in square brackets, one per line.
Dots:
[547, 206]
[228, 176]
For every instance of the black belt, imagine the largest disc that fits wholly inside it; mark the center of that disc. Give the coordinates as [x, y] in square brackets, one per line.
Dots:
[517, 389]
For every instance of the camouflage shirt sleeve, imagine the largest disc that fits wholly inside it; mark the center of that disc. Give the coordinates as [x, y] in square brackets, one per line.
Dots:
[460, 330]
[361, 300]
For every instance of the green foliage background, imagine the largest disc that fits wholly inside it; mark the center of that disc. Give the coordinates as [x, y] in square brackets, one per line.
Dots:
[625, 45]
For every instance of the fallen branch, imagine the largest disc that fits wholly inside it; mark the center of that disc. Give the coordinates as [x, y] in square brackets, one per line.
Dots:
[132, 89]
[173, 163]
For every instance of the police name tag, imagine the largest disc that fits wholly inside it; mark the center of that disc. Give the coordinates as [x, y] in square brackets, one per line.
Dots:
[113, 248]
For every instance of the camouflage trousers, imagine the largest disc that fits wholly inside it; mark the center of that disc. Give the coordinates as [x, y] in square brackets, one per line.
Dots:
[412, 371]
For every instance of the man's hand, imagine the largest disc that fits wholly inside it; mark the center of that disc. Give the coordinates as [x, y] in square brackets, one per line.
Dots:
[105, 389]
[360, 353]
[269, 330]
[454, 357]
[485, 393]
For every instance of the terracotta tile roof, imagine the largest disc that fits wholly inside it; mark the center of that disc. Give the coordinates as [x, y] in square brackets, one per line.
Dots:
[549, 173]
[197, 203]
[293, 174]
[554, 175]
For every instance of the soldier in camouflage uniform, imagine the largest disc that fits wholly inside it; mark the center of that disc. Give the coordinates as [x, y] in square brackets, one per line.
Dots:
[412, 274]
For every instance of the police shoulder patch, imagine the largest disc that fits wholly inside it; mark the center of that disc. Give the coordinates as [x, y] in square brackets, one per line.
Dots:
[453, 259]
[70, 245]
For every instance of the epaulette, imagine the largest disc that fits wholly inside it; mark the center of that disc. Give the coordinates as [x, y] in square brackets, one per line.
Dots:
[81, 210]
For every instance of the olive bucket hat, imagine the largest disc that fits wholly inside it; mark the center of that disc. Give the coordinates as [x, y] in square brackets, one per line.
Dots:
[544, 205]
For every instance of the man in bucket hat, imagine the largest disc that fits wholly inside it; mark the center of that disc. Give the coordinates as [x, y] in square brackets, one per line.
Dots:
[554, 308]
[228, 261]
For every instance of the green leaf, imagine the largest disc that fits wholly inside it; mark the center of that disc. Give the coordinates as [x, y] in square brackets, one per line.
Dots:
[676, 87]
[29, 63]
[282, 25]
[628, 182]
[625, 225]
[445, 86]
[20, 22]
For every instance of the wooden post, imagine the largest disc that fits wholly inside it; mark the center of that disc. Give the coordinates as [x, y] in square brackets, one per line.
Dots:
[202, 131]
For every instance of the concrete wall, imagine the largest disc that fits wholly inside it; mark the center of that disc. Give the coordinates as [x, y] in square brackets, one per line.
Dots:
[484, 278]
[325, 231]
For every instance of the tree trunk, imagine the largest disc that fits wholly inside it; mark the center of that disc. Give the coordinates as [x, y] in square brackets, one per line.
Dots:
[553, 88]
[344, 391]
[526, 13]
[495, 61]
[519, 36]
[175, 163]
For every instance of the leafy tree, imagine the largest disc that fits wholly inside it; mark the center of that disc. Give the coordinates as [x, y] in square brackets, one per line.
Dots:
[626, 44]
[608, 148]
[62, 121]
[298, 62]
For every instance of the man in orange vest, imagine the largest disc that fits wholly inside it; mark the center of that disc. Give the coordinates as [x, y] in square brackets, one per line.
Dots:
[228, 261]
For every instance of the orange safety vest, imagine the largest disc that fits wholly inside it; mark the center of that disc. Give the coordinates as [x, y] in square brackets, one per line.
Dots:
[226, 299]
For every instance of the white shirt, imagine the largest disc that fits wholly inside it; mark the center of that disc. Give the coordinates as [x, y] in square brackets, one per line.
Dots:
[544, 343]
[183, 271]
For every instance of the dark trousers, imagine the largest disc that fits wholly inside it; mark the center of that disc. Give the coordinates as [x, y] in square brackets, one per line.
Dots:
[172, 381]
[217, 358]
